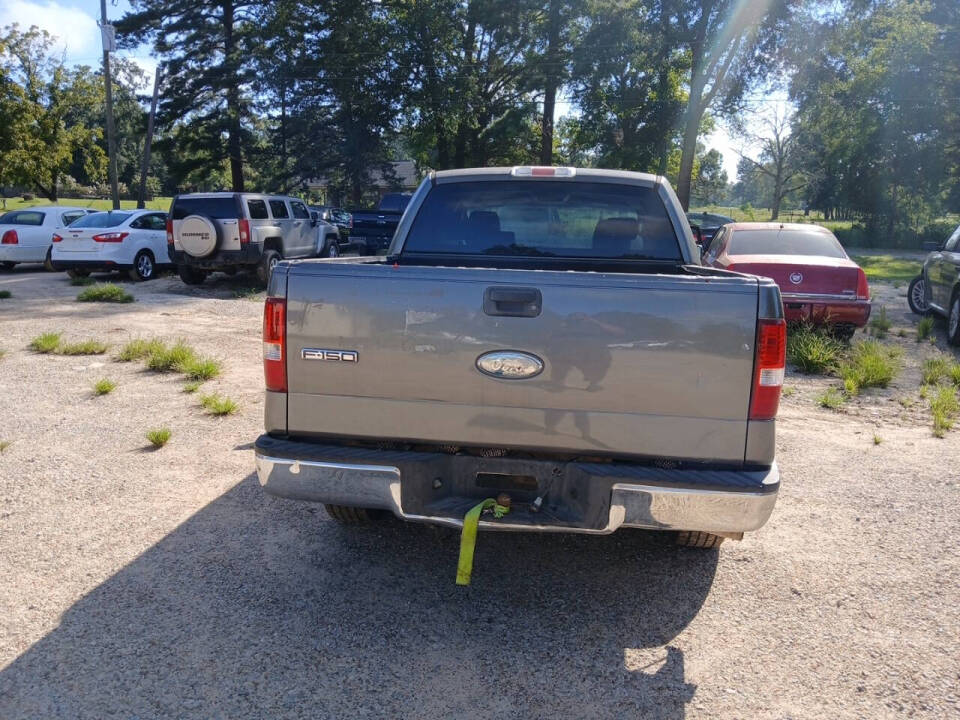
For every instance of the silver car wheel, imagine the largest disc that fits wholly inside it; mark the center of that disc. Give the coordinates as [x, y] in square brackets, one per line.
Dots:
[918, 299]
[954, 316]
[145, 266]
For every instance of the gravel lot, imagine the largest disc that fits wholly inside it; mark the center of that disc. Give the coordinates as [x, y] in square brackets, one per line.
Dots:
[140, 584]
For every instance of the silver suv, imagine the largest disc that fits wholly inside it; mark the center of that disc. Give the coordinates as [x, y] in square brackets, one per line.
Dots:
[228, 231]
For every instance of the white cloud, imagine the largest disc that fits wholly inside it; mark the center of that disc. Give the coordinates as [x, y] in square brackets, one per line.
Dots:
[76, 32]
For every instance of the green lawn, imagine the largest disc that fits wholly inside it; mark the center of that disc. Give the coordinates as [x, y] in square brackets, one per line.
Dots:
[887, 268]
[160, 203]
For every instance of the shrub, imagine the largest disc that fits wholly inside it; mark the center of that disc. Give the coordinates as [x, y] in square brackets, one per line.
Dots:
[84, 347]
[870, 364]
[880, 324]
[138, 349]
[216, 405]
[812, 350]
[46, 343]
[173, 359]
[831, 398]
[4, 294]
[944, 407]
[104, 386]
[105, 292]
[924, 328]
[159, 437]
[202, 369]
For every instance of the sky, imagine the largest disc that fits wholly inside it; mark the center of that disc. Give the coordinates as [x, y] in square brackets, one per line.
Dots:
[74, 24]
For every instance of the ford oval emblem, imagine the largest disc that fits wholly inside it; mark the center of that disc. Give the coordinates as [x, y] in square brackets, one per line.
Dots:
[796, 278]
[509, 364]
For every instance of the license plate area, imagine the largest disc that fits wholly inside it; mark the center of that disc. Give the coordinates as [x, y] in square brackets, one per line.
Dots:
[448, 487]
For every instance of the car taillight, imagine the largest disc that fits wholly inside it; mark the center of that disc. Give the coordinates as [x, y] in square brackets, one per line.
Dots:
[169, 231]
[10, 238]
[244, 232]
[110, 237]
[275, 344]
[539, 171]
[56, 238]
[769, 364]
[863, 289]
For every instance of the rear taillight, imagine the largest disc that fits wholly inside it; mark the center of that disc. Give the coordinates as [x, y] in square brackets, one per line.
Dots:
[863, 289]
[9, 238]
[169, 231]
[110, 237]
[275, 344]
[769, 364]
[244, 232]
[56, 238]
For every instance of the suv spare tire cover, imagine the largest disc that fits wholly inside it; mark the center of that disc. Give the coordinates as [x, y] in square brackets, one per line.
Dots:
[197, 235]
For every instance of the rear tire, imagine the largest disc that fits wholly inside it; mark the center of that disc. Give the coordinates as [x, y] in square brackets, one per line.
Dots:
[844, 333]
[75, 273]
[266, 265]
[7, 265]
[190, 275]
[953, 320]
[346, 515]
[144, 267]
[689, 538]
[332, 250]
[916, 297]
[48, 261]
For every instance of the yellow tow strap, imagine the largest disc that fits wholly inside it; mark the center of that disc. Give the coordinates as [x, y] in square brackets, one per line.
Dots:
[468, 538]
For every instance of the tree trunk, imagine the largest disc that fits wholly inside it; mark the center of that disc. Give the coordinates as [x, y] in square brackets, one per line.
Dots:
[234, 150]
[690, 132]
[551, 74]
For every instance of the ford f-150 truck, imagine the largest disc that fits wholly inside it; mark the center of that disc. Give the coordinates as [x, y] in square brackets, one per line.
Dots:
[547, 334]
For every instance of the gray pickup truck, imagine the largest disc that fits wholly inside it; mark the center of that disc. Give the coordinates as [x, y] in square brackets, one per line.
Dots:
[547, 334]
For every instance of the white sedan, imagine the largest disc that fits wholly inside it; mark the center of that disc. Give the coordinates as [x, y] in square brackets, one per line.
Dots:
[131, 240]
[25, 235]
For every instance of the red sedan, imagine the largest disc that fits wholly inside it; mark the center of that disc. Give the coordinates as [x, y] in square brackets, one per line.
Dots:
[819, 283]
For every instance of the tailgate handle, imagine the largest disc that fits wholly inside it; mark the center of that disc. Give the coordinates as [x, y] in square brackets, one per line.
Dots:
[512, 301]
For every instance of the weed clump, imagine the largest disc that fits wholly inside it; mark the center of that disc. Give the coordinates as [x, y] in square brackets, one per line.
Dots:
[217, 405]
[104, 386]
[45, 343]
[159, 437]
[812, 350]
[105, 292]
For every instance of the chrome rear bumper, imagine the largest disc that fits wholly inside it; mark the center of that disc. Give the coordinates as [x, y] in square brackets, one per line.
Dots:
[654, 506]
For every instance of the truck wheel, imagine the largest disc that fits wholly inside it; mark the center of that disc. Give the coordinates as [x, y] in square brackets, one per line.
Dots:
[689, 538]
[74, 273]
[190, 275]
[346, 515]
[332, 250]
[953, 320]
[916, 298]
[266, 265]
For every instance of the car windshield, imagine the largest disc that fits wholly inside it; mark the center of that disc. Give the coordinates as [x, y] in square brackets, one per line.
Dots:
[22, 217]
[542, 218]
[785, 242]
[101, 220]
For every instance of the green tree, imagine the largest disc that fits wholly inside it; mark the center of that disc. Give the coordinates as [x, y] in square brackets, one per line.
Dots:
[207, 48]
[779, 157]
[53, 102]
[710, 185]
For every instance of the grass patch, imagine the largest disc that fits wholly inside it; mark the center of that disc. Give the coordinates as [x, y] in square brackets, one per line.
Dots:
[159, 437]
[944, 406]
[924, 328]
[202, 369]
[2, 353]
[880, 324]
[869, 364]
[105, 292]
[192, 387]
[4, 294]
[788, 390]
[138, 349]
[887, 268]
[877, 439]
[812, 350]
[46, 343]
[104, 386]
[217, 405]
[831, 398]
[936, 369]
[4, 444]
[82, 281]
[84, 347]
[172, 359]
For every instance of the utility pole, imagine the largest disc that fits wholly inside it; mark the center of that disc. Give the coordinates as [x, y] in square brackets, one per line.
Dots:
[147, 141]
[106, 33]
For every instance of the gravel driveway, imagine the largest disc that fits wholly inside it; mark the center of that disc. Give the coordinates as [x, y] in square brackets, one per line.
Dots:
[155, 584]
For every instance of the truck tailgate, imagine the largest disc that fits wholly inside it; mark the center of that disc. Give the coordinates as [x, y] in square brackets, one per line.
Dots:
[634, 365]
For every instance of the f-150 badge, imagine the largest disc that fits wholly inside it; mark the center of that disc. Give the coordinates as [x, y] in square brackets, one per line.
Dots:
[349, 356]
